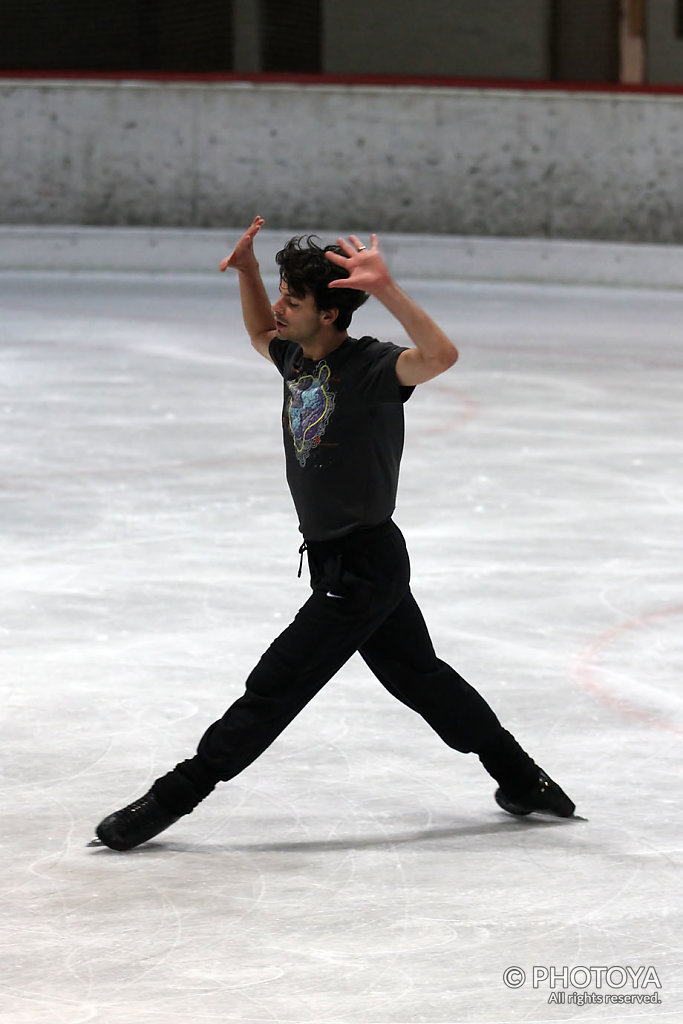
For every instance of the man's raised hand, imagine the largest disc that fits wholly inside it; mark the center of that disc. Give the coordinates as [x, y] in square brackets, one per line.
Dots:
[242, 256]
[366, 267]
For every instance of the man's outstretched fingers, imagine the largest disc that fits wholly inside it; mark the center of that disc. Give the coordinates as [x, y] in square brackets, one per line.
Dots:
[248, 236]
[335, 257]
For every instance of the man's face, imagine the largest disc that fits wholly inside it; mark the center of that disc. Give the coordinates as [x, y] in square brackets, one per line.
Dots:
[299, 319]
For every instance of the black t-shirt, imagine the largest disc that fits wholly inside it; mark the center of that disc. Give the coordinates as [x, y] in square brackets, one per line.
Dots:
[342, 423]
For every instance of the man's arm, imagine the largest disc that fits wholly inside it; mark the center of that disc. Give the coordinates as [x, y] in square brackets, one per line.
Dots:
[434, 352]
[257, 311]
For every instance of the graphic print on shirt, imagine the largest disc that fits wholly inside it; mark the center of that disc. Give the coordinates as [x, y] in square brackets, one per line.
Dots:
[311, 404]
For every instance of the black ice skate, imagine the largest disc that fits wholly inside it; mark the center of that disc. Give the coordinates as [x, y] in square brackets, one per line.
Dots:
[134, 824]
[544, 797]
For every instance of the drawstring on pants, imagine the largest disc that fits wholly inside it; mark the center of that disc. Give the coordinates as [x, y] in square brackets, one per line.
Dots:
[302, 550]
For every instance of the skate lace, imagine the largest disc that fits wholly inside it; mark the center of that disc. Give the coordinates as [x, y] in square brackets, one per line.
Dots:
[146, 806]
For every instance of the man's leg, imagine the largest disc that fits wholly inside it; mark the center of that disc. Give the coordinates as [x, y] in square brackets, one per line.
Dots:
[327, 630]
[401, 655]
[320, 640]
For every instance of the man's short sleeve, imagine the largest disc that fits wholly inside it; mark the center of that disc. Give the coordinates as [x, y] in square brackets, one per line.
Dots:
[283, 353]
[380, 382]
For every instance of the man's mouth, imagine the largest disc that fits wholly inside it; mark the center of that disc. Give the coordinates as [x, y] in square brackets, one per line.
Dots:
[279, 324]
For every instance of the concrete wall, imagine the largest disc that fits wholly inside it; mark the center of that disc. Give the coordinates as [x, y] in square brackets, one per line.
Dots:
[442, 161]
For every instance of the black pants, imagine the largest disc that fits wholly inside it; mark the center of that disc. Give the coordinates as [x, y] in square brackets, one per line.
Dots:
[361, 601]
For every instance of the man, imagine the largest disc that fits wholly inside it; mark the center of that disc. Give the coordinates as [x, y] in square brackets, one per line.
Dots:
[343, 438]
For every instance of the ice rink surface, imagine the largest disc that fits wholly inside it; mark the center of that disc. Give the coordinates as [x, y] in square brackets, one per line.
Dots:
[359, 872]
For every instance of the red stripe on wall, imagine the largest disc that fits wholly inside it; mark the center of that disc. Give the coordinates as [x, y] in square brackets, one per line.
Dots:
[327, 79]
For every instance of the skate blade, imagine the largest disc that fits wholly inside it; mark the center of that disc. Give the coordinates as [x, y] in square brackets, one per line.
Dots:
[94, 842]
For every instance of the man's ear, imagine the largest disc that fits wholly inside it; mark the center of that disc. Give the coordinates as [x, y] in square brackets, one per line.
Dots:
[329, 316]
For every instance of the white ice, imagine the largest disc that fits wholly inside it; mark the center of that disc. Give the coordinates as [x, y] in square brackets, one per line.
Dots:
[359, 872]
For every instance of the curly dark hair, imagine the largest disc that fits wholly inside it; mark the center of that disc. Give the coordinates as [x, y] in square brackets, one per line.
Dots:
[305, 270]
